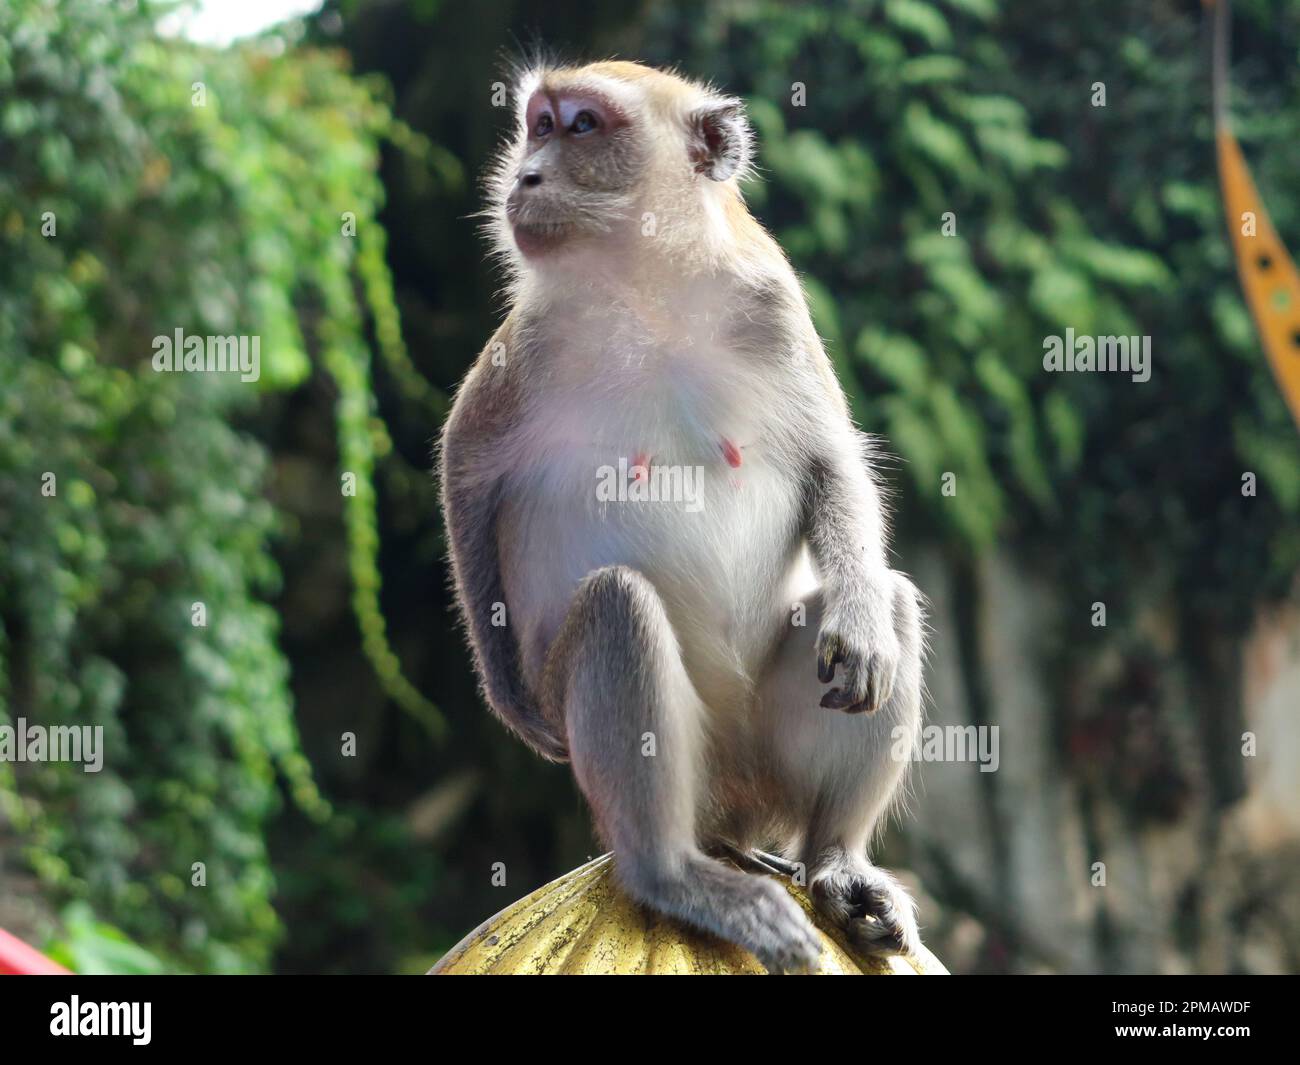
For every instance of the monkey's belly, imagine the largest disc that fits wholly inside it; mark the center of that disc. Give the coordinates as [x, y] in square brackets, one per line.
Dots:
[721, 551]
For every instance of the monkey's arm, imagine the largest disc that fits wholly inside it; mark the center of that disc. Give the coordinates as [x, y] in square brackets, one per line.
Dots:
[470, 505]
[845, 527]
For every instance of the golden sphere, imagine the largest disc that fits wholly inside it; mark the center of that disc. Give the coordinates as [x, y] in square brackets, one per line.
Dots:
[584, 924]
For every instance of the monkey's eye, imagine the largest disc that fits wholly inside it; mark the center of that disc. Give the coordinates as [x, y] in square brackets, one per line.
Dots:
[584, 122]
[545, 123]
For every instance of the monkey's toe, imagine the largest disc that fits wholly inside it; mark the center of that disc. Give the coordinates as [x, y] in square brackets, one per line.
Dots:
[889, 924]
[872, 908]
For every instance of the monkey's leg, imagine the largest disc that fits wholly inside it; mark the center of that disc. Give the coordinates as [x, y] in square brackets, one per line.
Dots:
[842, 772]
[634, 723]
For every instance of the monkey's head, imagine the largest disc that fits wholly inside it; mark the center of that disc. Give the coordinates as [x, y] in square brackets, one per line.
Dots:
[616, 154]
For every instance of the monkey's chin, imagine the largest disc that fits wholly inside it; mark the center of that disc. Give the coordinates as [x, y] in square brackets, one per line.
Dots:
[538, 240]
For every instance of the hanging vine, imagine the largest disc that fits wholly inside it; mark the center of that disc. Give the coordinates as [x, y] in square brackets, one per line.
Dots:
[202, 190]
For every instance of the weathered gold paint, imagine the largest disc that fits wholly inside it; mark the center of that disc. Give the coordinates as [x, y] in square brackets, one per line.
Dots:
[584, 924]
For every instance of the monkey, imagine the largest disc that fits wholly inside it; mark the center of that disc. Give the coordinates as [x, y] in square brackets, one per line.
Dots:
[675, 647]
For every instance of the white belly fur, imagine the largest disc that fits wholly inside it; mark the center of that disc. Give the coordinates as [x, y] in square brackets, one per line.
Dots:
[723, 560]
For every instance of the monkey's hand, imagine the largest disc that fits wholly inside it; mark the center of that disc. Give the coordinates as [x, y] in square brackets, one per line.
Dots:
[858, 633]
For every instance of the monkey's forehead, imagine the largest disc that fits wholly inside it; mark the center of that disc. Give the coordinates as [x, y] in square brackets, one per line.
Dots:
[629, 86]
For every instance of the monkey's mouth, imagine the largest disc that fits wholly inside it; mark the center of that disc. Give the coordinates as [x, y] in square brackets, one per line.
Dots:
[537, 238]
[538, 228]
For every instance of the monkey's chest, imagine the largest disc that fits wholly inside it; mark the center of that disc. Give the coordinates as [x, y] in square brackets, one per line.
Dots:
[683, 482]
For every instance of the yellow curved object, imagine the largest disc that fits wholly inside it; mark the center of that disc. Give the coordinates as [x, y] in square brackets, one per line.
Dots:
[584, 924]
[1269, 278]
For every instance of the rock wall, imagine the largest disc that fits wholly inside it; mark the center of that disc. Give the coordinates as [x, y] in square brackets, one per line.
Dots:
[1199, 838]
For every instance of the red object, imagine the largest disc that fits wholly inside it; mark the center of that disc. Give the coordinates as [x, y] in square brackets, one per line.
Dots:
[18, 959]
[731, 452]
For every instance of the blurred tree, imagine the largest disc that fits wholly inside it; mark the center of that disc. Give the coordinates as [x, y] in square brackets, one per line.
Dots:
[150, 186]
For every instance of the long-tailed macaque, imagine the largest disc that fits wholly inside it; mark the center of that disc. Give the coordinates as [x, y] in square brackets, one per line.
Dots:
[666, 533]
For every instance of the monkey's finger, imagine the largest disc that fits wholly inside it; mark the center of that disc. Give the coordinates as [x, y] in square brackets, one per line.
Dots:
[834, 699]
[882, 684]
[867, 702]
[857, 677]
[871, 697]
[841, 699]
[832, 652]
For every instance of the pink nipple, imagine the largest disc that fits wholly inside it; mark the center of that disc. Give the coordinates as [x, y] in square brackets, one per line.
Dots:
[731, 453]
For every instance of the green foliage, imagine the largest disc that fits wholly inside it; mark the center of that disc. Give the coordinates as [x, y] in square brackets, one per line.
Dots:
[91, 947]
[1157, 501]
[222, 215]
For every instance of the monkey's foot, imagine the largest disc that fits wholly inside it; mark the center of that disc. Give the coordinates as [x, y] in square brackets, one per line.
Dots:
[755, 912]
[872, 907]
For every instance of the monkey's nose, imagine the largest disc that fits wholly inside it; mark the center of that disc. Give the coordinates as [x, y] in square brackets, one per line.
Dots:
[530, 179]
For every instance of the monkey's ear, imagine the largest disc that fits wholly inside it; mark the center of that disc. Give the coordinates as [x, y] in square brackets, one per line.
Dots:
[721, 141]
